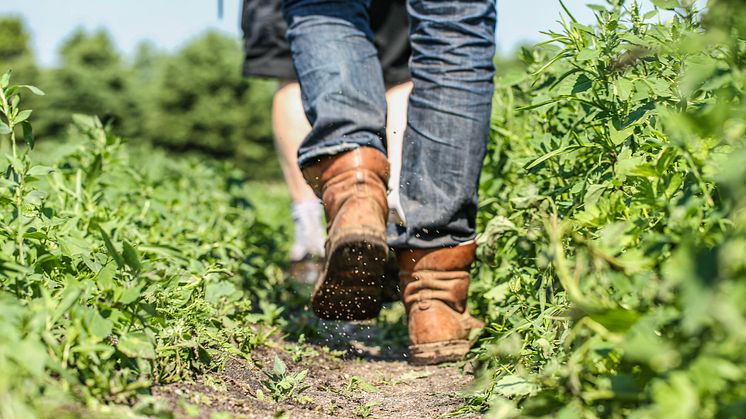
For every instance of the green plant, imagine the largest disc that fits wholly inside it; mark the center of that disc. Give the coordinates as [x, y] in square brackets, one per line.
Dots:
[282, 384]
[366, 410]
[121, 268]
[300, 350]
[604, 276]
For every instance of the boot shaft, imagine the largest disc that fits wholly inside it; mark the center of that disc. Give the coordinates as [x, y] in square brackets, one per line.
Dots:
[436, 274]
[362, 159]
[435, 284]
[352, 187]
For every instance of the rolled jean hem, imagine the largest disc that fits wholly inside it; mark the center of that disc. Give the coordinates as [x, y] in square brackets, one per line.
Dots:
[310, 156]
[403, 241]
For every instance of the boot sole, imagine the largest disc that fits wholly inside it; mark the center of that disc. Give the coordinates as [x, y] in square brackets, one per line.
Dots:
[438, 352]
[350, 286]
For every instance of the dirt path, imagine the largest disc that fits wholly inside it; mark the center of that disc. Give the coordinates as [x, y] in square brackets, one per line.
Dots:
[331, 369]
[365, 378]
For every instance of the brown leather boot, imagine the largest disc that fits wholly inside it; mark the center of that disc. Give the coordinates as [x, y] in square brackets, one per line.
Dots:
[434, 285]
[352, 186]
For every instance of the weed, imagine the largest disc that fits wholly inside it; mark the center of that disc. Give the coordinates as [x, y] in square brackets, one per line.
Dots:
[281, 384]
[300, 350]
[366, 410]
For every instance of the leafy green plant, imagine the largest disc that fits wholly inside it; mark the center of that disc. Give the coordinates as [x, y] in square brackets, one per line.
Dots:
[366, 410]
[282, 384]
[300, 350]
[604, 220]
[120, 267]
[356, 383]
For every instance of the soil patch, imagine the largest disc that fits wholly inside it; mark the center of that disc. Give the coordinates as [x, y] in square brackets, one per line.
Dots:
[331, 369]
[362, 380]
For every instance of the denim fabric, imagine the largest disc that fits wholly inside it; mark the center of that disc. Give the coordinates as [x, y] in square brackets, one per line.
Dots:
[453, 45]
[340, 77]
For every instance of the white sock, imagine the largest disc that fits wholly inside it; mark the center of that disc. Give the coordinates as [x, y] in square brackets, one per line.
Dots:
[309, 230]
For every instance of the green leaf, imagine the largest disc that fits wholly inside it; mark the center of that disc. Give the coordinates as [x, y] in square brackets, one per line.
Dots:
[4, 129]
[624, 88]
[35, 90]
[360, 383]
[588, 54]
[279, 368]
[616, 320]
[536, 105]
[136, 345]
[512, 385]
[111, 249]
[5, 80]
[22, 116]
[40, 170]
[105, 277]
[131, 258]
[617, 137]
[660, 87]
[28, 134]
[593, 193]
[666, 4]
[66, 300]
[216, 290]
[551, 154]
[100, 326]
[627, 163]
[129, 295]
[573, 84]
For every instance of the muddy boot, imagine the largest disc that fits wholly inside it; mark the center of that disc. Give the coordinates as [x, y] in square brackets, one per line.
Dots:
[434, 285]
[352, 186]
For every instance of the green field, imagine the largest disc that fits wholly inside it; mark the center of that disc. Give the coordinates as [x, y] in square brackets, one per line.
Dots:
[612, 246]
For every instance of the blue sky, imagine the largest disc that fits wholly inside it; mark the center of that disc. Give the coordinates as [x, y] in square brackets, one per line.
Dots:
[169, 23]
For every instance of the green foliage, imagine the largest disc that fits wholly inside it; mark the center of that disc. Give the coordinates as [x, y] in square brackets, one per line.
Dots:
[15, 50]
[282, 384]
[193, 100]
[613, 275]
[202, 102]
[92, 79]
[121, 267]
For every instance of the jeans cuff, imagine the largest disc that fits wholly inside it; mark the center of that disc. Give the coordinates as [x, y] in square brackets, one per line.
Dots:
[311, 155]
[399, 238]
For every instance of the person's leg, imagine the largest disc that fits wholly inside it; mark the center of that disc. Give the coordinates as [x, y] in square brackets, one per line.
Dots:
[343, 157]
[290, 126]
[453, 46]
[397, 98]
[341, 79]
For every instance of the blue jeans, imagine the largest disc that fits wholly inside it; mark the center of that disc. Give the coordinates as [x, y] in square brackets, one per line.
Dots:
[453, 45]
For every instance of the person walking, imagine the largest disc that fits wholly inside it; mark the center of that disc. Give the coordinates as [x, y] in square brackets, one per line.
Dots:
[343, 159]
[267, 55]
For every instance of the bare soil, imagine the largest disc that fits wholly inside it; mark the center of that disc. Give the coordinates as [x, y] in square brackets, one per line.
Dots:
[363, 380]
[353, 369]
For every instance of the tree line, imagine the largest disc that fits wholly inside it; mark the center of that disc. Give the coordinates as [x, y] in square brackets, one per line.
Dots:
[192, 100]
